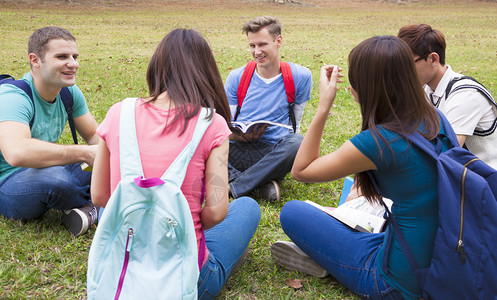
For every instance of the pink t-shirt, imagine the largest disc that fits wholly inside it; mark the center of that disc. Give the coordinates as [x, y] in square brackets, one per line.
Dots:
[158, 149]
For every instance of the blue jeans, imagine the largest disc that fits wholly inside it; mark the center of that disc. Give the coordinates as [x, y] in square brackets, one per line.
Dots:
[28, 193]
[226, 243]
[348, 255]
[255, 163]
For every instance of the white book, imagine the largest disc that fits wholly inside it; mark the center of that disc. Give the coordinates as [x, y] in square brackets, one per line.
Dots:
[358, 214]
[249, 126]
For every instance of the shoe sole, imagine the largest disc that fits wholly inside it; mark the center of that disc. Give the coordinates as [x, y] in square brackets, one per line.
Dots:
[278, 192]
[287, 255]
[75, 221]
[241, 261]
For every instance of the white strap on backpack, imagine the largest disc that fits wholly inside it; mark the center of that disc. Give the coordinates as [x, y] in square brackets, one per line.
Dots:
[128, 145]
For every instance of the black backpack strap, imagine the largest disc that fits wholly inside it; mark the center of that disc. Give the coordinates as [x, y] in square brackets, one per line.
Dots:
[395, 229]
[23, 85]
[65, 96]
[67, 100]
[480, 88]
[6, 76]
[291, 113]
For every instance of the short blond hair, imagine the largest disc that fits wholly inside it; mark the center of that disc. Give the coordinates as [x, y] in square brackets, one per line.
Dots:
[272, 24]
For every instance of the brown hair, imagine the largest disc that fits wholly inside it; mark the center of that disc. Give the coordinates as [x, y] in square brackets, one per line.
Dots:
[38, 41]
[382, 72]
[272, 24]
[423, 40]
[184, 66]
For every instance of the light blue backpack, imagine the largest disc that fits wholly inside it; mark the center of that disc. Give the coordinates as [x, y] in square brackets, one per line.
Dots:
[145, 245]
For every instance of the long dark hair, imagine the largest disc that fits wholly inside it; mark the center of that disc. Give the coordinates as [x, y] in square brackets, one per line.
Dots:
[184, 66]
[382, 72]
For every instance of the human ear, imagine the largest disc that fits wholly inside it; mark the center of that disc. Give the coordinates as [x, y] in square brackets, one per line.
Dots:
[279, 40]
[34, 60]
[435, 59]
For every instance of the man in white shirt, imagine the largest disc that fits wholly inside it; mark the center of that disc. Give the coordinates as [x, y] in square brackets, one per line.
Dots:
[472, 114]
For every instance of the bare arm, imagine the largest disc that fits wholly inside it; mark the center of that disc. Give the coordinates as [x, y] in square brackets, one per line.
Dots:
[308, 165]
[20, 150]
[86, 127]
[461, 139]
[216, 187]
[100, 177]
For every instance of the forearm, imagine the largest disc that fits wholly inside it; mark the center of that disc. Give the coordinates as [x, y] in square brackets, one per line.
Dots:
[309, 148]
[211, 216]
[34, 153]
[100, 177]
[216, 187]
[461, 139]
[94, 140]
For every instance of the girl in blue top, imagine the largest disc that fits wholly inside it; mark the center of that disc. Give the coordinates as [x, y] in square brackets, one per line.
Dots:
[384, 82]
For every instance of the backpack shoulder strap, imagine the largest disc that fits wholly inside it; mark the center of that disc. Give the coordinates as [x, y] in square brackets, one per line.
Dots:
[434, 150]
[476, 85]
[395, 229]
[177, 170]
[65, 95]
[129, 154]
[286, 72]
[24, 86]
[244, 85]
[68, 101]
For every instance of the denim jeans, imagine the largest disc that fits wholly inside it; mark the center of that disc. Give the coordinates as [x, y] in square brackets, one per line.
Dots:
[28, 193]
[348, 255]
[226, 243]
[255, 163]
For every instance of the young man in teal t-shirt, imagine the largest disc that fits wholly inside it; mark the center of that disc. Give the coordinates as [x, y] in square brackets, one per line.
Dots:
[37, 174]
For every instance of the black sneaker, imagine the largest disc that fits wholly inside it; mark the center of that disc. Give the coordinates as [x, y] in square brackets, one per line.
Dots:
[269, 191]
[290, 256]
[79, 220]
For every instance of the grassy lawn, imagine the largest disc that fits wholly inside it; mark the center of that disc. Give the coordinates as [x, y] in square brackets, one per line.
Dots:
[39, 259]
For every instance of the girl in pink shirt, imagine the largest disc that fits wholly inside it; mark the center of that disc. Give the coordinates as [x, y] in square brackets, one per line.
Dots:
[182, 77]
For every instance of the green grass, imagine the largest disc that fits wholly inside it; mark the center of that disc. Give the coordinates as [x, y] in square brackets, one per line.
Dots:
[39, 259]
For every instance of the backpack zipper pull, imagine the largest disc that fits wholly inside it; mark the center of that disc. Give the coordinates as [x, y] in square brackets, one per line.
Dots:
[460, 249]
[130, 240]
[172, 223]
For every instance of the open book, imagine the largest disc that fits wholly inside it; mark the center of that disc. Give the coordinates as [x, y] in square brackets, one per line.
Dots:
[358, 214]
[245, 127]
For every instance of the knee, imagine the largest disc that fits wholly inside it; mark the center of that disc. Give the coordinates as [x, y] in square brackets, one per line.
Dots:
[290, 212]
[292, 142]
[249, 207]
[55, 178]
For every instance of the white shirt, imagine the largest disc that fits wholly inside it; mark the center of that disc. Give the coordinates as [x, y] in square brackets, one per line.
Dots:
[467, 110]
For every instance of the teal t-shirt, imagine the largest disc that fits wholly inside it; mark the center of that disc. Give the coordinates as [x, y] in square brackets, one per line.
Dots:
[410, 179]
[49, 118]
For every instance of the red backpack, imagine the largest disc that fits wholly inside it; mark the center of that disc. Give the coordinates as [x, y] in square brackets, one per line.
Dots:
[286, 72]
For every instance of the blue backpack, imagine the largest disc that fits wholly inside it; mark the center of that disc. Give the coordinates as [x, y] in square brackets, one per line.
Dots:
[145, 245]
[65, 96]
[464, 263]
